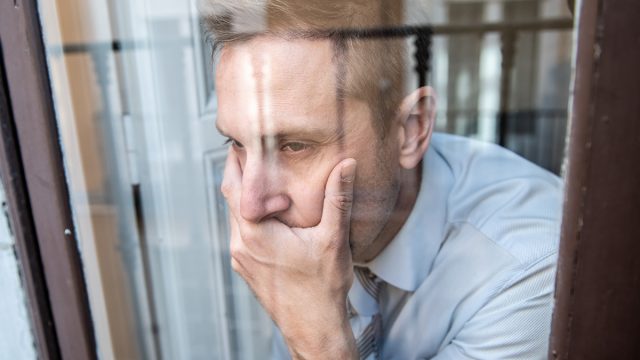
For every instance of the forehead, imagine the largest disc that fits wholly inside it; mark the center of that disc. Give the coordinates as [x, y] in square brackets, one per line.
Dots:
[276, 82]
[277, 59]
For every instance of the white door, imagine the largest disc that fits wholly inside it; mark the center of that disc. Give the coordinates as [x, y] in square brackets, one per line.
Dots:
[203, 310]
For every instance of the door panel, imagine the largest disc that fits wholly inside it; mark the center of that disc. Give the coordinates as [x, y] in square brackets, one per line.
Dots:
[203, 308]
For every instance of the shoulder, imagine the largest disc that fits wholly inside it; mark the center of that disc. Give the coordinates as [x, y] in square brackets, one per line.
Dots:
[502, 198]
[496, 263]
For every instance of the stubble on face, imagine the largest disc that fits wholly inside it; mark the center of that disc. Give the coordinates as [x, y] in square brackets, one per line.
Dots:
[375, 198]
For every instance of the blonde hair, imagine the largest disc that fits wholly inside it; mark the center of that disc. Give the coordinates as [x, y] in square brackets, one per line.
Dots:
[373, 67]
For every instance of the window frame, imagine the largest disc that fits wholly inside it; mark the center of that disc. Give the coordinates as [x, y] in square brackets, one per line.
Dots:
[38, 198]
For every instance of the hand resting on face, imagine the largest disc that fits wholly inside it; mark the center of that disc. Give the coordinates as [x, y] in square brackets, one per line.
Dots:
[301, 276]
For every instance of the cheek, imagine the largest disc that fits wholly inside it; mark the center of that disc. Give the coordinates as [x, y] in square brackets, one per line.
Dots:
[308, 206]
[307, 198]
[376, 186]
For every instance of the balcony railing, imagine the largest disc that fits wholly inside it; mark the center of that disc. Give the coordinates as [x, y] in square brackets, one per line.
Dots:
[509, 123]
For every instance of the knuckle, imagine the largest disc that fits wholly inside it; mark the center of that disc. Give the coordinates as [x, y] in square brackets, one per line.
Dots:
[235, 250]
[235, 253]
[236, 260]
[342, 201]
[248, 233]
[332, 245]
[225, 189]
[335, 242]
[235, 265]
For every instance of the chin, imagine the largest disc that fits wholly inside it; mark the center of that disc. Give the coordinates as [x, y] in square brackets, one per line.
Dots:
[371, 213]
[362, 238]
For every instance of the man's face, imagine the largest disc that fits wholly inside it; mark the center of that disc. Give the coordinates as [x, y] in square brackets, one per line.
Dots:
[277, 102]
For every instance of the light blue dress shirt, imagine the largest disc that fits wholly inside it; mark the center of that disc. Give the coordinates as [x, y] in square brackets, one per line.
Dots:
[471, 273]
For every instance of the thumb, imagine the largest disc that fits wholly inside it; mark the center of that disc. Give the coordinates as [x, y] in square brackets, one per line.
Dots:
[338, 196]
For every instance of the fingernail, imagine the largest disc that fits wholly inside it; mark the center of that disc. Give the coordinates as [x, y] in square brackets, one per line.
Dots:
[348, 171]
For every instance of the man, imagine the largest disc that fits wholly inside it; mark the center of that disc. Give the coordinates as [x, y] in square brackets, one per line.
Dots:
[333, 175]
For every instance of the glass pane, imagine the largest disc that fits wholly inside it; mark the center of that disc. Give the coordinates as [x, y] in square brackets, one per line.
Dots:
[136, 109]
[16, 337]
[143, 100]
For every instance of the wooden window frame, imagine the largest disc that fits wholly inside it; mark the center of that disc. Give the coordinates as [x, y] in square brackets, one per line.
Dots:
[597, 310]
[38, 198]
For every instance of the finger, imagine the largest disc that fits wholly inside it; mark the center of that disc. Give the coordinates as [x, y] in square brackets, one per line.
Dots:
[231, 186]
[266, 239]
[338, 197]
[235, 239]
[237, 250]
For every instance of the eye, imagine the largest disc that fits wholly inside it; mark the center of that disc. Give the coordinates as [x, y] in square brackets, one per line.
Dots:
[294, 147]
[234, 143]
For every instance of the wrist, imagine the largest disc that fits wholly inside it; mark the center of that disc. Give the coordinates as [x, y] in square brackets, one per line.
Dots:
[324, 341]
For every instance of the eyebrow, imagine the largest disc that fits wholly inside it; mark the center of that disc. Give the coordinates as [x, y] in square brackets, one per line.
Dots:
[326, 135]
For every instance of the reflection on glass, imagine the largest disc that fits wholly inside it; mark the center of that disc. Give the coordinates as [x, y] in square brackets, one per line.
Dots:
[138, 106]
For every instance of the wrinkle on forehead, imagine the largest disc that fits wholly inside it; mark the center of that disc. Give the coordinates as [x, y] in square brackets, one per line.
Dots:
[281, 80]
[288, 64]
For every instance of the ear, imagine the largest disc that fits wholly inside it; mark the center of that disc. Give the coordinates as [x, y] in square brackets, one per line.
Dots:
[417, 114]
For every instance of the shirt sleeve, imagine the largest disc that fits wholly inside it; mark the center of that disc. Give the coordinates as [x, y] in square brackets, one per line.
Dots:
[514, 324]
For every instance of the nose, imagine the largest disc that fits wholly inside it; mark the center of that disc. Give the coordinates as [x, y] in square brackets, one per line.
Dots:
[263, 191]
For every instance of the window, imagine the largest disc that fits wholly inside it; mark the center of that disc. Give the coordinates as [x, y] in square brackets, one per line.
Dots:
[136, 115]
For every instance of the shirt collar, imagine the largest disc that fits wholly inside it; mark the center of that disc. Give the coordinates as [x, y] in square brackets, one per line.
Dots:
[407, 259]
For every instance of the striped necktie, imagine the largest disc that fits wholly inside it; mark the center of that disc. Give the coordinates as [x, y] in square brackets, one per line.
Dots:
[369, 341]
